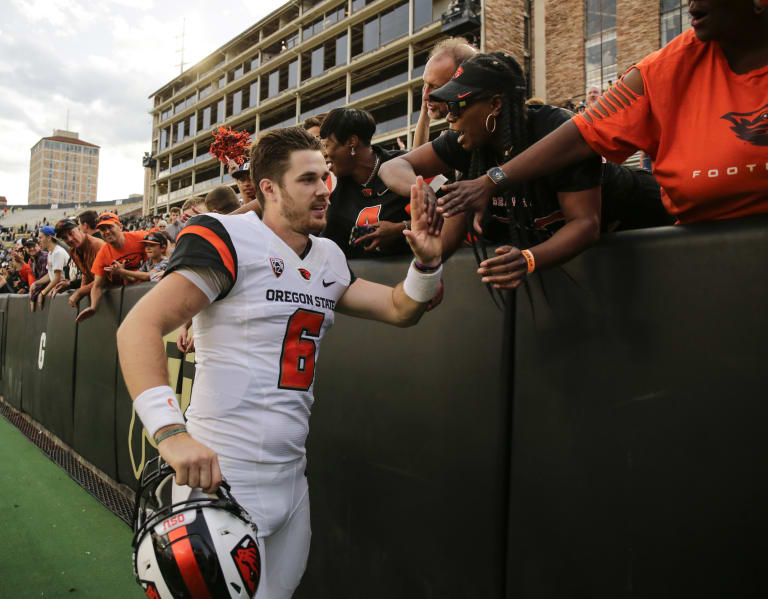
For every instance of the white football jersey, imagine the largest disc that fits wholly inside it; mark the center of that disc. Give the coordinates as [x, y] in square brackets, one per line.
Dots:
[257, 345]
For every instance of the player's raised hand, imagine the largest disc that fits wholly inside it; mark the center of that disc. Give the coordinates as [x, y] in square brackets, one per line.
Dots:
[427, 246]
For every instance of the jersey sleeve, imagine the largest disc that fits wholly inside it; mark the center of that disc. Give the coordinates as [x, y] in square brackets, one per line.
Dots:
[620, 123]
[205, 242]
[337, 262]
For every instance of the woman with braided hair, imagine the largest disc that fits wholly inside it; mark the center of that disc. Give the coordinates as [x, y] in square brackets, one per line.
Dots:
[553, 217]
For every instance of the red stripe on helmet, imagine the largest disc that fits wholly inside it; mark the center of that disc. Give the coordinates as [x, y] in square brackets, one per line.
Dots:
[187, 563]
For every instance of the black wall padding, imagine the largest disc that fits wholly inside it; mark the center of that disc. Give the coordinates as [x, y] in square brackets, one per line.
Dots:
[95, 381]
[133, 447]
[3, 324]
[36, 344]
[58, 373]
[408, 450]
[639, 437]
[20, 348]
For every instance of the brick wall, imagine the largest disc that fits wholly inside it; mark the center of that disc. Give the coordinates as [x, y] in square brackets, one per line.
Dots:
[639, 31]
[565, 51]
[504, 27]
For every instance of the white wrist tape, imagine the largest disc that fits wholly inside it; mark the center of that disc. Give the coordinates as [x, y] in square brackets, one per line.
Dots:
[421, 287]
[157, 407]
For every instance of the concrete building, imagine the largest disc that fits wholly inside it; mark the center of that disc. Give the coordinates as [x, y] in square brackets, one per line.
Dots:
[310, 56]
[63, 169]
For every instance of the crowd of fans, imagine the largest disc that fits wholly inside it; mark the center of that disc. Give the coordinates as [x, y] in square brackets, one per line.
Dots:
[511, 171]
[92, 251]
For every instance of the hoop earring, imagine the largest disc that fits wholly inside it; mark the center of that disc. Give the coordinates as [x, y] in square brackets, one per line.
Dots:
[487, 128]
[352, 150]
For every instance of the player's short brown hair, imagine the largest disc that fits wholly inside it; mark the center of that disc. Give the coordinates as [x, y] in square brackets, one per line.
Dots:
[315, 121]
[221, 200]
[271, 154]
[175, 210]
[196, 201]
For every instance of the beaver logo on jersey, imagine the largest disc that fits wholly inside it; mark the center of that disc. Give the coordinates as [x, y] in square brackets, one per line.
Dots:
[277, 266]
[151, 590]
[248, 562]
[305, 273]
[751, 127]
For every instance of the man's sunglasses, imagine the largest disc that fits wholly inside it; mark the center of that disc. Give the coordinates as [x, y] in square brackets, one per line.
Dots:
[455, 108]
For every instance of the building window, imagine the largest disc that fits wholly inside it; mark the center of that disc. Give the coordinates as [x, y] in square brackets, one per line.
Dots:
[422, 13]
[675, 19]
[317, 62]
[600, 43]
[341, 49]
[293, 74]
[274, 80]
[394, 23]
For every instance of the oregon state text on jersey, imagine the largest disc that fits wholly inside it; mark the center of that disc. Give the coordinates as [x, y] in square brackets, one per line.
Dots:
[257, 344]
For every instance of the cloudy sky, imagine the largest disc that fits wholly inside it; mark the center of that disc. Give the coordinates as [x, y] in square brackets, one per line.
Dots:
[99, 60]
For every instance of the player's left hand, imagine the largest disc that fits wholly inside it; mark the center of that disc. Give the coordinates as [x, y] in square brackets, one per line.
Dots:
[427, 246]
[385, 233]
[506, 270]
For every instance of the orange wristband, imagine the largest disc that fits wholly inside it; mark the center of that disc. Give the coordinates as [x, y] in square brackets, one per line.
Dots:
[530, 260]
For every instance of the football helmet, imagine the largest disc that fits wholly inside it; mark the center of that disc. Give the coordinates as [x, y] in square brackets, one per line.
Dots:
[203, 547]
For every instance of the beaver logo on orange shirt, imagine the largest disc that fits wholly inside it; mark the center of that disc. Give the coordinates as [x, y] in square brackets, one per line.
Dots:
[750, 126]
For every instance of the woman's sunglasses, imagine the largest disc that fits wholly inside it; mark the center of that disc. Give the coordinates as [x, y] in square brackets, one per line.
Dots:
[455, 108]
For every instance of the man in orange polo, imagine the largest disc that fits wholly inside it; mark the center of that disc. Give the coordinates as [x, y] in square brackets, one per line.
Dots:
[123, 249]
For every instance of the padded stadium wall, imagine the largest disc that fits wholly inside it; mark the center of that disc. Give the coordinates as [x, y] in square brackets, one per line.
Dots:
[601, 437]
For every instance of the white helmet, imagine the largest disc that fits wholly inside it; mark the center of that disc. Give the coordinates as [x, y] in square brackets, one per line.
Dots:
[196, 548]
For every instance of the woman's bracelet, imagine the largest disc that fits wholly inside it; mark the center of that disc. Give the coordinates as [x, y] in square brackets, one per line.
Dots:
[528, 255]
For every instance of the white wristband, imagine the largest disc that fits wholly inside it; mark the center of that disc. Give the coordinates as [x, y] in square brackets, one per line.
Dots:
[420, 286]
[157, 407]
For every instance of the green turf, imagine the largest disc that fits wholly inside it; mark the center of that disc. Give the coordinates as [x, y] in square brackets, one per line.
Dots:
[55, 539]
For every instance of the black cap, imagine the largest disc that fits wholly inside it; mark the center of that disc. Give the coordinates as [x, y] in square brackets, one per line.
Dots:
[470, 80]
[156, 237]
[29, 242]
[65, 224]
[243, 171]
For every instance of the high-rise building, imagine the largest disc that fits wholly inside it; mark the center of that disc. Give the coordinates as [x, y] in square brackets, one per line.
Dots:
[310, 56]
[63, 169]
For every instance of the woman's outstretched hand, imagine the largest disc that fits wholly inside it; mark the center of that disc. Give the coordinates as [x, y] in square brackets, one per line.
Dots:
[467, 196]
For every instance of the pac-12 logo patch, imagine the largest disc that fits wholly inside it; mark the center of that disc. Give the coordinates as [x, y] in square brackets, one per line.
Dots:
[150, 589]
[277, 266]
[305, 273]
[248, 562]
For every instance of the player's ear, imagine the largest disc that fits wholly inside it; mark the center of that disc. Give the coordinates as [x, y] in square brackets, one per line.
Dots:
[267, 187]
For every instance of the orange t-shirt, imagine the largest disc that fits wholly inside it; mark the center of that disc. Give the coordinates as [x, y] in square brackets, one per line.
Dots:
[132, 254]
[704, 126]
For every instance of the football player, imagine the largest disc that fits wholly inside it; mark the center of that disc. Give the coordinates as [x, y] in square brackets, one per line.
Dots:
[262, 293]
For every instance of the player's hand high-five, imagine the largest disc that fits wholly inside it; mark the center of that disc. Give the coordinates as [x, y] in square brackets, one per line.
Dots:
[427, 247]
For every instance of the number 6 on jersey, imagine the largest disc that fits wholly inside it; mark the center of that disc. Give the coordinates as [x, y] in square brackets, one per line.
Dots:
[297, 361]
